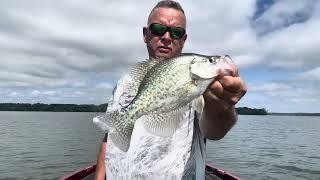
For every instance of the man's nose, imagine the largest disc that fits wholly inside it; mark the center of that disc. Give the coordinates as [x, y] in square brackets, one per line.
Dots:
[166, 37]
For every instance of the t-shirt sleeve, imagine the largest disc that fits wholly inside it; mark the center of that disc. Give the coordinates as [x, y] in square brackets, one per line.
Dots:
[121, 95]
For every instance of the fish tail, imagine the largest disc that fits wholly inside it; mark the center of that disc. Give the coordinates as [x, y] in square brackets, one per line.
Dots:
[118, 126]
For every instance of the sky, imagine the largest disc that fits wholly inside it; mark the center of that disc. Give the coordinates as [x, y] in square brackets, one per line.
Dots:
[74, 51]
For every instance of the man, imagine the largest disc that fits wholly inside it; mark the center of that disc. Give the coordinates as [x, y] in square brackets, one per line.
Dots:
[180, 156]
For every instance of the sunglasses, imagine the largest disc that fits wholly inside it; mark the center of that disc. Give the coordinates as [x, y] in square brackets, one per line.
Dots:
[160, 30]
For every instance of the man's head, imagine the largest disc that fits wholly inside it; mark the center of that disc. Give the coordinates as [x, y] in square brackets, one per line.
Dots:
[162, 41]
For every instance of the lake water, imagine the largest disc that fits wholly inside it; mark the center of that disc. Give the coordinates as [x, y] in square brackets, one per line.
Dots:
[47, 145]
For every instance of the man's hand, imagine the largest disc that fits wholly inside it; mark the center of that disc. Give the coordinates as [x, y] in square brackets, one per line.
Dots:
[220, 98]
[225, 92]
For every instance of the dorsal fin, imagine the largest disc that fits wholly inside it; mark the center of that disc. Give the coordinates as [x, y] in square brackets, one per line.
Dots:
[137, 74]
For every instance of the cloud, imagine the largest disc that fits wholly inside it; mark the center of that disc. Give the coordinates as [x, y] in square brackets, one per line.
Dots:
[74, 51]
[283, 13]
[271, 87]
[294, 94]
[43, 93]
[105, 85]
[294, 45]
[310, 75]
[45, 42]
[14, 94]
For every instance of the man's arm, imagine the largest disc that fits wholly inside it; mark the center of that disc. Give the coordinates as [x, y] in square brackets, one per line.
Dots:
[100, 168]
[219, 113]
[216, 123]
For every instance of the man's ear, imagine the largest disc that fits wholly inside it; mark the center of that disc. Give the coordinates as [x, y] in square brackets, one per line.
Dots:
[145, 34]
[184, 38]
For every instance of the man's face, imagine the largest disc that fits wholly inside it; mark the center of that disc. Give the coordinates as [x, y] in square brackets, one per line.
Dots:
[164, 46]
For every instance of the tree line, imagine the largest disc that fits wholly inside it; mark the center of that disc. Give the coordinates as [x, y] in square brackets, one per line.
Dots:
[251, 111]
[53, 107]
[91, 108]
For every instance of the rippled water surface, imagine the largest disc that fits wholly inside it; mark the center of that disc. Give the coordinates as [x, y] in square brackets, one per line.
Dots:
[270, 147]
[47, 145]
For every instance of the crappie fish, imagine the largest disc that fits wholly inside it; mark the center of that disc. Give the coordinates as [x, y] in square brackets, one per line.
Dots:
[163, 87]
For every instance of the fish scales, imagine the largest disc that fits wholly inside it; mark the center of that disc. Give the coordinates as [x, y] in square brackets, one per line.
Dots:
[155, 87]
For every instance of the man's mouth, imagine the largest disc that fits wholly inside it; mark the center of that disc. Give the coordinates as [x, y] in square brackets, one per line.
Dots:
[164, 49]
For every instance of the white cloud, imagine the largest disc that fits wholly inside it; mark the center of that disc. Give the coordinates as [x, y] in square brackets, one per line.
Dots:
[35, 93]
[245, 60]
[43, 93]
[49, 93]
[105, 85]
[14, 94]
[313, 74]
[269, 87]
[79, 93]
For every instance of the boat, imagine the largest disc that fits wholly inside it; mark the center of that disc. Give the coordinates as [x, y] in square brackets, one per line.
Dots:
[87, 173]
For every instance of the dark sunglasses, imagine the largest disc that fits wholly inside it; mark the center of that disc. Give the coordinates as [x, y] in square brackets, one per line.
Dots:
[160, 30]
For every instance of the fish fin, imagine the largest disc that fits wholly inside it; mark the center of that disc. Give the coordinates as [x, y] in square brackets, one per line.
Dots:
[121, 142]
[164, 124]
[137, 74]
[119, 128]
[198, 104]
[141, 69]
[98, 122]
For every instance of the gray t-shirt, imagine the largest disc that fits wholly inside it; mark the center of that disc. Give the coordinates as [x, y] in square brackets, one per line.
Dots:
[180, 156]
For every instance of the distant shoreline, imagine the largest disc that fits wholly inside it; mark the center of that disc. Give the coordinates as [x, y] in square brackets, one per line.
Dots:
[294, 114]
[40, 107]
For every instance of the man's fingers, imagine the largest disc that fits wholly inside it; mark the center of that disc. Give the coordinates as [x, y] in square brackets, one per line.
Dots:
[231, 97]
[228, 89]
[216, 93]
[215, 100]
[216, 89]
[233, 84]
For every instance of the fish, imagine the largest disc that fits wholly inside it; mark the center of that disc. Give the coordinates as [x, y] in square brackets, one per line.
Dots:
[163, 88]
